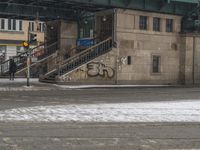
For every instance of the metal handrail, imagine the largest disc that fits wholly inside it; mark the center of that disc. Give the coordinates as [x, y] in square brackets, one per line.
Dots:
[85, 52]
[88, 49]
[20, 59]
[25, 52]
[49, 52]
[82, 57]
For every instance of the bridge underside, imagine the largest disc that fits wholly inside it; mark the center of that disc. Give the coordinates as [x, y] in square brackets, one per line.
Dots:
[70, 9]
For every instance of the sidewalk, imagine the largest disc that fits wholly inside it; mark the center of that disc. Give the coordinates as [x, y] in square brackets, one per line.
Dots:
[110, 86]
[20, 84]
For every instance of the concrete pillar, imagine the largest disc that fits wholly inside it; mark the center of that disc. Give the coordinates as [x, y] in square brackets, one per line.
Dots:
[67, 38]
[65, 34]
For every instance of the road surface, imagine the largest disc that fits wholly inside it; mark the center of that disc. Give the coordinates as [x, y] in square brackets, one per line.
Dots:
[34, 134]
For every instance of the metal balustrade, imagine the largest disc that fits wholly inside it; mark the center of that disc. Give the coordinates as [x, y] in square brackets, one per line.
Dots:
[39, 52]
[49, 50]
[79, 59]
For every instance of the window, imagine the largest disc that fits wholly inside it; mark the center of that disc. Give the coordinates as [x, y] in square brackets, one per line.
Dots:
[44, 27]
[156, 64]
[41, 27]
[19, 49]
[31, 26]
[129, 60]
[143, 23]
[169, 25]
[2, 53]
[13, 24]
[2, 49]
[9, 24]
[2, 24]
[156, 24]
[20, 25]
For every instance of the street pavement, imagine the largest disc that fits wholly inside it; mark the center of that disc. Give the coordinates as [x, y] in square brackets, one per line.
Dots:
[90, 135]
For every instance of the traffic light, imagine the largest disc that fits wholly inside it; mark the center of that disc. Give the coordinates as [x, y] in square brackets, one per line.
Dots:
[33, 38]
[25, 44]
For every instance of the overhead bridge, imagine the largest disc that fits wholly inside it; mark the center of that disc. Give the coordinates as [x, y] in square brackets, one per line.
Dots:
[185, 1]
[72, 9]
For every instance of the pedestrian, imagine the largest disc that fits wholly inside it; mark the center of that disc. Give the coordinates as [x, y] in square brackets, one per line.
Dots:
[12, 69]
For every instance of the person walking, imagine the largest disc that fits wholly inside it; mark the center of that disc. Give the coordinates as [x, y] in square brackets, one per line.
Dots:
[12, 69]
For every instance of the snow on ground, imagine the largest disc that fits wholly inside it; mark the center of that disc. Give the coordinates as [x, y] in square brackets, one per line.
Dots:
[19, 84]
[106, 86]
[179, 111]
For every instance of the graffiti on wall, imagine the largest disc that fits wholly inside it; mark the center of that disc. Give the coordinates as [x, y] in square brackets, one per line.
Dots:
[76, 75]
[99, 69]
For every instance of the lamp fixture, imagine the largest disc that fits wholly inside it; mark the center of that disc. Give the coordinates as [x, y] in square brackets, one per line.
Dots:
[104, 19]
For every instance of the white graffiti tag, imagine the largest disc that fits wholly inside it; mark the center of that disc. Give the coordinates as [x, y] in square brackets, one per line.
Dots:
[99, 69]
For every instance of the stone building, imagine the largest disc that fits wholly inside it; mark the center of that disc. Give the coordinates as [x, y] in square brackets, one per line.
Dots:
[149, 48]
[13, 32]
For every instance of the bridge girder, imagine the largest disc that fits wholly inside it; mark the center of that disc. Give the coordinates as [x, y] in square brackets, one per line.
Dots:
[185, 1]
[69, 9]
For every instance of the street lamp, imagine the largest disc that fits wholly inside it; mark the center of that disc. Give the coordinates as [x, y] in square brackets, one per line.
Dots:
[104, 19]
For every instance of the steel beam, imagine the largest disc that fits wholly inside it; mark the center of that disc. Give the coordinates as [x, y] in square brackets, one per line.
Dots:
[185, 1]
[69, 9]
[30, 12]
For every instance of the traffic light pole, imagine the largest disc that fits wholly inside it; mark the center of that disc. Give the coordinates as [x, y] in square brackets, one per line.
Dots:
[28, 59]
[31, 38]
[28, 67]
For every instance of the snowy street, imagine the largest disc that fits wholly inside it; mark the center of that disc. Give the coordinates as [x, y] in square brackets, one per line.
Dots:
[179, 111]
[53, 117]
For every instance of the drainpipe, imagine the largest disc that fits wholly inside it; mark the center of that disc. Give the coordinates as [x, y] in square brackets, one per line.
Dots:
[114, 24]
[193, 60]
[115, 42]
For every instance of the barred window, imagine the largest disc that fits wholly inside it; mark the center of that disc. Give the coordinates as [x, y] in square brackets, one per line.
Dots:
[143, 22]
[169, 25]
[156, 64]
[156, 24]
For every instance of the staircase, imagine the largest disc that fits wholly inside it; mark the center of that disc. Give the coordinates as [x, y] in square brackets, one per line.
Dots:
[78, 60]
[21, 59]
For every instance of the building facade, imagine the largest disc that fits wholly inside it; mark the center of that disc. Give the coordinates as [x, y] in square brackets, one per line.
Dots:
[149, 49]
[13, 32]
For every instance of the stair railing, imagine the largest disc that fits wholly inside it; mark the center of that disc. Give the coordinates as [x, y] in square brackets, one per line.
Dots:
[85, 56]
[19, 59]
[22, 58]
[48, 50]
